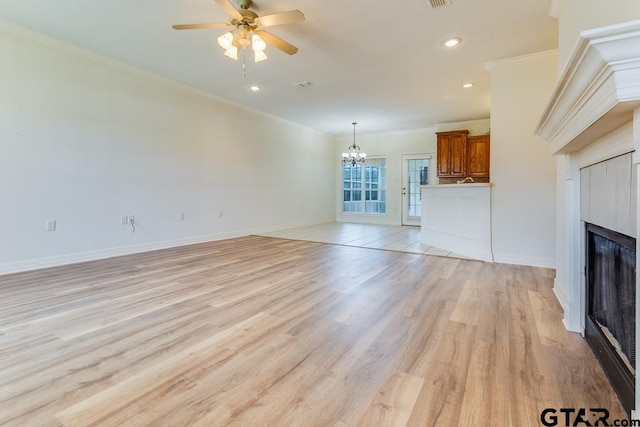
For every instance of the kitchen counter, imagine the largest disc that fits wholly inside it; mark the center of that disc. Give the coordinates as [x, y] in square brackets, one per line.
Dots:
[457, 218]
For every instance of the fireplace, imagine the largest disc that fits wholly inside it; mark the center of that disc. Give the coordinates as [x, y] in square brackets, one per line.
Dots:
[593, 115]
[611, 307]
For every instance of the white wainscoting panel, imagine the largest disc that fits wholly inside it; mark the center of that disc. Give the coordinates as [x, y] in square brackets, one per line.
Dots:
[457, 217]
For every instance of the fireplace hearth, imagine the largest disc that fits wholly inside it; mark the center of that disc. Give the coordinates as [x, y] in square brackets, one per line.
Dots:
[611, 307]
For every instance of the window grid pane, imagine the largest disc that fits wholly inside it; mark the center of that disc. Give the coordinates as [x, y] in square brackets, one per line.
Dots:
[364, 187]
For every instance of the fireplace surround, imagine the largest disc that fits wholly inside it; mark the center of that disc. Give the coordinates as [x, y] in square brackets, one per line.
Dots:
[593, 115]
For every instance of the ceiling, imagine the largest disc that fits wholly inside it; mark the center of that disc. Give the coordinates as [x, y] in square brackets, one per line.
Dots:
[377, 62]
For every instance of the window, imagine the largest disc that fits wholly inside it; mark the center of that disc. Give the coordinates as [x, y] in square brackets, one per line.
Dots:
[364, 187]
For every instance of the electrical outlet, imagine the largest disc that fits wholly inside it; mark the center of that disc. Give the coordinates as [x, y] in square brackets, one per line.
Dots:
[220, 214]
[51, 225]
[181, 216]
[124, 220]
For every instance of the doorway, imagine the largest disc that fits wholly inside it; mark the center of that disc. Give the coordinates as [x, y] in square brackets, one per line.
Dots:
[415, 172]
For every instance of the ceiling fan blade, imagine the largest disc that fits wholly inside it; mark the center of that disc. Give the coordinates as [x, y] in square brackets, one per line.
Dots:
[230, 9]
[281, 18]
[277, 42]
[199, 26]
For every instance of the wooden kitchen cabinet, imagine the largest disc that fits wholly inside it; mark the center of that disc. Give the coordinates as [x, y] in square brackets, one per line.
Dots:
[478, 156]
[452, 153]
[461, 155]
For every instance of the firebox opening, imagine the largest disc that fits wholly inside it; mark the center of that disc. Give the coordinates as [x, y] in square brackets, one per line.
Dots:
[611, 307]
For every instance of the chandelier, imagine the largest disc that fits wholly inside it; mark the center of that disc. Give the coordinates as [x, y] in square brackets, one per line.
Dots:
[241, 37]
[353, 154]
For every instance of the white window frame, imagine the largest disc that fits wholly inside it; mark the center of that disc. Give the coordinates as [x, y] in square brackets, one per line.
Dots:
[367, 207]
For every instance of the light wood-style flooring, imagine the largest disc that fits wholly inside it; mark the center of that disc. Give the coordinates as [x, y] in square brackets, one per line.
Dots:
[259, 331]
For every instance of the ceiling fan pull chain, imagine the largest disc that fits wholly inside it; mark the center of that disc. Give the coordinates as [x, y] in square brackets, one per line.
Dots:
[244, 60]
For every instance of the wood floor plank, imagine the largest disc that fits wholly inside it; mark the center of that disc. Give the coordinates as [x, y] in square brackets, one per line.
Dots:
[547, 318]
[268, 331]
[444, 369]
[488, 373]
[213, 350]
[394, 401]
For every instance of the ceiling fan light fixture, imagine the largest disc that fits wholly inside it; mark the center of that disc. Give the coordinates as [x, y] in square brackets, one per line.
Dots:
[232, 53]
[226, 41]
[260, 55]
[245, 29]
[257, 43]
[244, 42]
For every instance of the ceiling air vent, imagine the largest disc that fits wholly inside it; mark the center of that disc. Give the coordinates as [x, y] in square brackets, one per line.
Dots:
[435, 4]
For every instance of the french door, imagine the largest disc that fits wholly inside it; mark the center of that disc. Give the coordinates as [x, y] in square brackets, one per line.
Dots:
[415, 172]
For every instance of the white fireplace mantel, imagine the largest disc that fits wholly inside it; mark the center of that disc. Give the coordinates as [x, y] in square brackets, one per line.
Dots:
[593, 115]
[597, 91]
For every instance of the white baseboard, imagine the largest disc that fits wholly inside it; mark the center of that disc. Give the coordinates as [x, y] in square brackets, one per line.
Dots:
[560, 295]
[571, 319]
[73, 258]
[524, 260]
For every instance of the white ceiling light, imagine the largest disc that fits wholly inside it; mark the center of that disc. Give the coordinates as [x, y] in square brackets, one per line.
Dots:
[257, 43]
[231, 41]
[454, 41]
[255, 88]
[232, 53]
[468, 85]
[260, 56]
[353, 154]
[226, 41]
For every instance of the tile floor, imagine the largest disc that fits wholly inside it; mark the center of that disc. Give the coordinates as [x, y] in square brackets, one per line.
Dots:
[395, 238]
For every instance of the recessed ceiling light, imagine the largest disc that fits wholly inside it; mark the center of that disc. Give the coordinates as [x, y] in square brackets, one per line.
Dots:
[255, 88]
[454, 41]
[467, 85]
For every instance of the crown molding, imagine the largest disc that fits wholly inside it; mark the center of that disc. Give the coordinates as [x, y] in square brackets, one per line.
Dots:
[597, 90]
[522, 59]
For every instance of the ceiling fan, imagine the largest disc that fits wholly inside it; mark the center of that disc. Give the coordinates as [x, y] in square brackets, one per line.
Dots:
[244, 26]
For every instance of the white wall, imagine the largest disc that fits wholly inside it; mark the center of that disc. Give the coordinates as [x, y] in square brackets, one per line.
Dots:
[393, 145]
[579, 15]
[522, 169]
[85, 140]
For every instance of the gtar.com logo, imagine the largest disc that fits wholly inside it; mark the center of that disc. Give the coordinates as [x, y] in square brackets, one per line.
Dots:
[570, 417]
